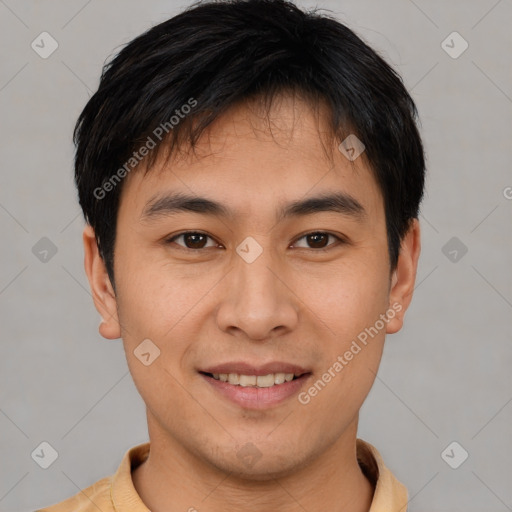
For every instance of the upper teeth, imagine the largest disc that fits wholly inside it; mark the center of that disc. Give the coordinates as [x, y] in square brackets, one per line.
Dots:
[261, 381]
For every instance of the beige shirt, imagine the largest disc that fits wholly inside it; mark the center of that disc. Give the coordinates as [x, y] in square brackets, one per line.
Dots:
[116, 493]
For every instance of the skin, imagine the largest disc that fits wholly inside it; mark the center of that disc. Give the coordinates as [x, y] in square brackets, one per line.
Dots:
[294, 303]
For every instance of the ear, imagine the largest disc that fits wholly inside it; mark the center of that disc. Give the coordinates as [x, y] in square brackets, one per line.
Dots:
[404, 276]
[102, 291]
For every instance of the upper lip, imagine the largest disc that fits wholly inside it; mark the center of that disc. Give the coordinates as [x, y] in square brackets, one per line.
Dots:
[243, 368]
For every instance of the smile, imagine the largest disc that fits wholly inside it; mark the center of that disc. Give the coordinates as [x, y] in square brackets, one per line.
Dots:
[260, 381]
[256, 392]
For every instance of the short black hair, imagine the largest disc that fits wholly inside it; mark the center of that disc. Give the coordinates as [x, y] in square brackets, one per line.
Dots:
[217, 54]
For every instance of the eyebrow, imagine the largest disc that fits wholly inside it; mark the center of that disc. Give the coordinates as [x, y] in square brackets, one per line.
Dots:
[339, 202]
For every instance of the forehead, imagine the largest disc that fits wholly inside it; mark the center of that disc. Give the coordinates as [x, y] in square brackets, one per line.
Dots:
[253, 159]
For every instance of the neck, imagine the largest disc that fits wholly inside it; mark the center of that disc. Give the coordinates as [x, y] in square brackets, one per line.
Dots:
[172, 479]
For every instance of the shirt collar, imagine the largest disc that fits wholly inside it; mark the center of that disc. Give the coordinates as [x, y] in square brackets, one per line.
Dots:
[122, 491]
[389, 496]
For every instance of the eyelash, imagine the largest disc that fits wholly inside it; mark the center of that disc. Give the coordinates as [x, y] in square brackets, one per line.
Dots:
[339, 239]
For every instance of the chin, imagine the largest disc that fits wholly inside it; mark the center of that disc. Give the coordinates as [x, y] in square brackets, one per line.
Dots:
[252, 465]
[261, 472]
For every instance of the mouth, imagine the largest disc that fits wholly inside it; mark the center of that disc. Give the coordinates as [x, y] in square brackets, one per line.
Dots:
[253, 387]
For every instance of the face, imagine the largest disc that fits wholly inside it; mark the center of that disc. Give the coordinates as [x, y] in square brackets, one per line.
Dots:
[257, 279]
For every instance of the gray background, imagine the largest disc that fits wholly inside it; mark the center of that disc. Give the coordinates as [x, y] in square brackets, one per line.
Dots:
[445, 377]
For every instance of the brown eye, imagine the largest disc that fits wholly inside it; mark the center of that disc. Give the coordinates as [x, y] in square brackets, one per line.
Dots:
[317, 240]
[192, 240]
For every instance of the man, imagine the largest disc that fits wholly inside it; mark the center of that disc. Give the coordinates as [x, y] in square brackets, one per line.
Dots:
[251, 176]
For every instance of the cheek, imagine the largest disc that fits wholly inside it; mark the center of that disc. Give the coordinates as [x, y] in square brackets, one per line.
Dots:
[350, 303]
[349, 297]
[157, 325]
[163, 394]
[155, 300]
[350, 363]
[159, 304]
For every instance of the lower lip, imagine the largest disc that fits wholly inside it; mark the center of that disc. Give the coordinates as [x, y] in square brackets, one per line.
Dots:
[252, 397]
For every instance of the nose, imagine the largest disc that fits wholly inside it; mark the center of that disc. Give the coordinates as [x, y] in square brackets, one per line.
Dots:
[258, 302]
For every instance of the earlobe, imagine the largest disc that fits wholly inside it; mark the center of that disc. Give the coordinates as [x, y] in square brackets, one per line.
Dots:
[404, 276]
[101, 288]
